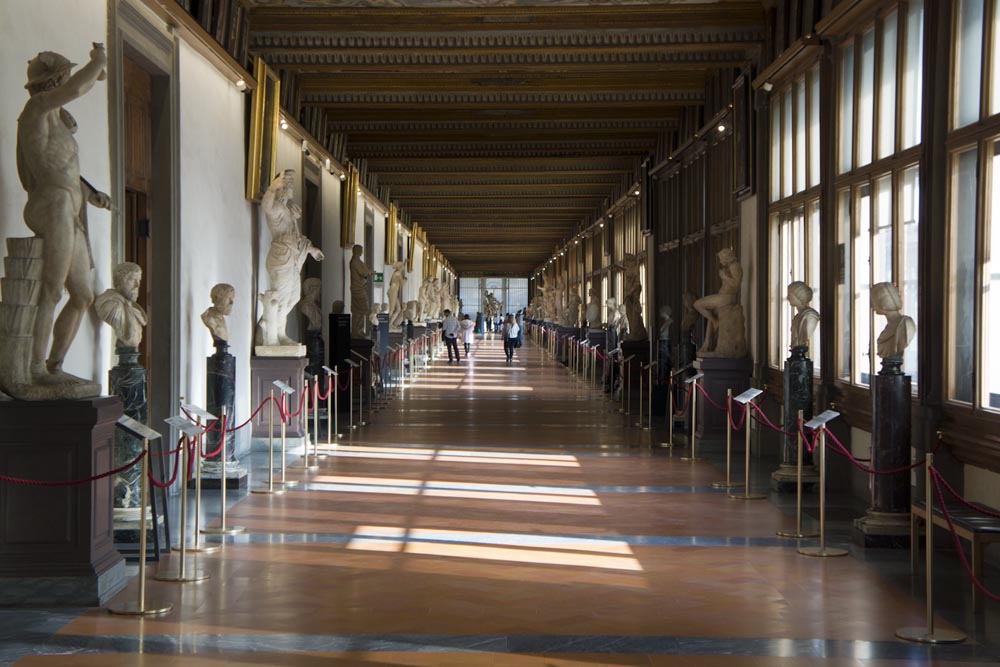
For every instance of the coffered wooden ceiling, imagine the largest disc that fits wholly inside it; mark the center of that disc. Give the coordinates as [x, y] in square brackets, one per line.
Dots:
[500, 125]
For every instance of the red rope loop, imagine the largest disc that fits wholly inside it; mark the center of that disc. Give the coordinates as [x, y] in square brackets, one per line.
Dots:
[75, 482]
[177, 464]
[743, 418]
[840, 449]
[687, 402]
[709, 398]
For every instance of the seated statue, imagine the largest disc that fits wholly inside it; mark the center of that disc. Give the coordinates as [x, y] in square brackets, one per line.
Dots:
[725, 335]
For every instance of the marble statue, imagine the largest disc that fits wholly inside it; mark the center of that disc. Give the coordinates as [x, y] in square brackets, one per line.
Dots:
[444, 298]
[309, 304]
[593, 313]
[337, 307]
[725, 335]
[385, 308]
[690, 317]
[666, 320]
[806, 318]
[612, 317]
[117, 307]
[58, 257]
[288, 252]
[360, 274]
[621, 322]
[214, 317]
[571, 316]
[396, 293]
[412, 309]
[899, 329]
[632, 298]
[422, 298]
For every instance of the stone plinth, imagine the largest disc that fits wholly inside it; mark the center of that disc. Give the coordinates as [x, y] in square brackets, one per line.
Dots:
[315, 352]
[264, 371]
[798, 393]
[127, 380]
[56, 544]
[340, 340]
[720, 374]
[288, 351]
[220, 385]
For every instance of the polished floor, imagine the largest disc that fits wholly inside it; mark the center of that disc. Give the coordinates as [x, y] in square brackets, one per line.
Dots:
[505, 515]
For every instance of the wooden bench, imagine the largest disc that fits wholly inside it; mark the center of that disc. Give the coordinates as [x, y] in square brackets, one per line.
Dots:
[977, 529]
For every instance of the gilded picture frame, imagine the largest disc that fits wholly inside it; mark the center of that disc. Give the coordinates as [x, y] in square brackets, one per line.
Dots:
[263, 145]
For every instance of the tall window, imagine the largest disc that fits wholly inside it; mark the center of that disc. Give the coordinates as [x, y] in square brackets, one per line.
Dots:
[878, 187]
[794, 206]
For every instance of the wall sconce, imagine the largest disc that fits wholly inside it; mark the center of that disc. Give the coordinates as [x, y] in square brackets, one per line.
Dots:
[241, 85]
[283, 124]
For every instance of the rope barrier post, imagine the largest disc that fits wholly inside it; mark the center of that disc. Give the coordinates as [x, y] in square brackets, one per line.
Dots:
[728, 484]
[798, 490]
[929, 634]
[669, 444]
[200, 415]
[746, 399]
[269, 489]
[222, 529]
[693, 381]
[189, 432]
[819, 423]
[354, 367]
[331, 417]
[139, 607]
[305, 465]
[649, 398]
[286, 391]
[364, 388]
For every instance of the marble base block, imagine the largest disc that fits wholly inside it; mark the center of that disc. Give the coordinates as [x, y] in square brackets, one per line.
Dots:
[720, 374]
[280, 350]
[264, 371]
[56, 545]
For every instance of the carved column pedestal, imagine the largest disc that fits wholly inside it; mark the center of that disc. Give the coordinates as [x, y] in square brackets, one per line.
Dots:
[220, 390]
[887, 521]
[127, 380]
[798, 391]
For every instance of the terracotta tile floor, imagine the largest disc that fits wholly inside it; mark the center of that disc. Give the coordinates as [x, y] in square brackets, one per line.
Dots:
[478, 521]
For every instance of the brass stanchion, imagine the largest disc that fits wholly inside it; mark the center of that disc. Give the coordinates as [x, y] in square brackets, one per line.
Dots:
[649, 396]
[728, 483]
[626, 377]
[746, 399]
[649, 369]
[200, 414]
[139, 607]
[693, 381]
[798, 489]
[364, 388]
[189, 432]
[305, 465]
[354, 367]
[286, 391]
[822, 551]
[929, 634]
[222, 529]
[331, 417]
[669, 444]
[270, 450]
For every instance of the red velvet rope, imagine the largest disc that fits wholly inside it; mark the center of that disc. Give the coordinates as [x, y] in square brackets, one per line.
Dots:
[765, 421]
[840, 449]
[966, 503]
[743, 418]
[177, 465]
[38, 482]
[687, 402]
[709, 398]
[329, 389]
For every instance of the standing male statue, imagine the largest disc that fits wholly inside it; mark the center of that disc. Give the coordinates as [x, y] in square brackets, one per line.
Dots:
[360, 273]
[288, 252]
[49, 168]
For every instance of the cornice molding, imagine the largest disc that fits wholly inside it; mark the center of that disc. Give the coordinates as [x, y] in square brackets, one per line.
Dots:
[568, 124]
[518, 98]
[448, 4]
[583, 149]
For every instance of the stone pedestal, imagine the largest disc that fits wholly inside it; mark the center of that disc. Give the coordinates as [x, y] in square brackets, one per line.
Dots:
[220, 389]
[315, 352]
[56, 545]
[887, 522]
[340, 340]
[720, 374]
[127, 381]
[364, 347]
[562, 349]
[798, 391]
[264, 371]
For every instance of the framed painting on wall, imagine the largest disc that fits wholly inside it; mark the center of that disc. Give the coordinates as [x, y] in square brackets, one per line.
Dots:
[742, 139]
[263, 157]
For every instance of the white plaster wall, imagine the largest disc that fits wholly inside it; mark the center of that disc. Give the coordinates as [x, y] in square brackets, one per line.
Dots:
[215, 223]
[751, 276]
[417, 277]
[982, 486]
[68, 27]
[381, 290]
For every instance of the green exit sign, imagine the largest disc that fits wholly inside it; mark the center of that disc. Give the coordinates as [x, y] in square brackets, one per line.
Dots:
[379, 277]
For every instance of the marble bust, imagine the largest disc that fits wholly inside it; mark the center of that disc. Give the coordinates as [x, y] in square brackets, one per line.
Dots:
[806, 318]
[118, 308]
[285, 257]
[222, 295]
[309, 305]
[55, 212]
[612, 317]
[360, 274]
[899, 329]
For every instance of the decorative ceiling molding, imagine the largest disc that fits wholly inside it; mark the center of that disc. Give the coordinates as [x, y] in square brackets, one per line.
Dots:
[511, 150]
[507, 39]
[567, 124]
[517, 98]
[447, 4]
[424, 180]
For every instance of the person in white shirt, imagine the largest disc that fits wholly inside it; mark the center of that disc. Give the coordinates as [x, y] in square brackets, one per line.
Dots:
[449, 332]
[467, 332]
[510, 332]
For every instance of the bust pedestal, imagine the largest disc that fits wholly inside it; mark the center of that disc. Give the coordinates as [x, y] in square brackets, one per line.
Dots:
[220, 386]
[264, 371]
[127, 380]
[721, 374]
[886, 524]
[798, 391]
[315, 352]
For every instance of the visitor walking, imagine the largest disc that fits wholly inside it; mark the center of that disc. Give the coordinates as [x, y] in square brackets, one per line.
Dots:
[510, 333]
[467, 332]
[449, 332]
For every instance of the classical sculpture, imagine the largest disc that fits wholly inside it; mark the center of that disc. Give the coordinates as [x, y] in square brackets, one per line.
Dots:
[725, 335]
[899, 329]
[422, 299]
[690, 317]
[593, 313]
[117, 307]
[214, 317]
[309, 304]
[632, 299]
[412, 308]
[571, 316]
[49, 169]
[337, 307]
[666, 319]
[612, 318]
[806, 318]
[360, 273]
[288, 252]
[396, 293]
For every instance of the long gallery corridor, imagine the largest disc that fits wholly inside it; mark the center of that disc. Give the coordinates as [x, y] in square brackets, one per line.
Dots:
[500, 515]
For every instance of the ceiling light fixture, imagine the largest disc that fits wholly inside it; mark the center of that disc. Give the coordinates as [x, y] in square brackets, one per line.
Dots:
[636, 193]
[601, 225]
[283, 124]
[241, 85]
[343, 177]
[722, 128]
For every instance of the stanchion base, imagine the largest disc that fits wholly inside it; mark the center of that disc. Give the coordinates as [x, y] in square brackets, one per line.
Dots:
[204, 549]
[748, 496]
[192, 577]
[921, 636]
[310, 468]
[727, 485]
[265, 490]
[228, 530]
[133, 609]
[823, 552]
[795, 535]
[287, 483]
[691, 459]
[667, 445]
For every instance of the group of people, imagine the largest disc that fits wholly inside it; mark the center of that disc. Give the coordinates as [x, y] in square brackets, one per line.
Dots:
[454, 329]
